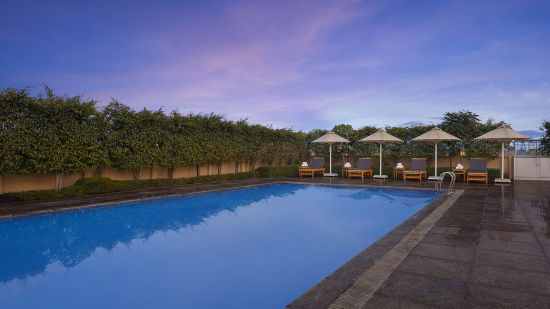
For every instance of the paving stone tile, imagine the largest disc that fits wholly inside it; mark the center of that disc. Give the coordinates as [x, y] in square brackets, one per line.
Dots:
[504, 219]
[512, 236]
[383, 302]
[463, 212]
[513, 260]
[440, 268]
[464, 215]
[458, 222]
[499, 225]
[481, 296]
[505, 246]
[454, 240]
[477, 206]
[512, 279]
[424, 289]
[444, 252]
[543, 236]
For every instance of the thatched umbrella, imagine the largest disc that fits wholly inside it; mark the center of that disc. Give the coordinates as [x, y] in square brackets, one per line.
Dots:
[330, 138]
[381, 137]
[436, 135]
[503, 133]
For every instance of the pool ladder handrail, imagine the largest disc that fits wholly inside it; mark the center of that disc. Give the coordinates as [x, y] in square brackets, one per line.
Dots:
[453, 179]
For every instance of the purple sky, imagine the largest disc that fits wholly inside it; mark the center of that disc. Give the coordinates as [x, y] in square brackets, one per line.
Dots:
[301, 64]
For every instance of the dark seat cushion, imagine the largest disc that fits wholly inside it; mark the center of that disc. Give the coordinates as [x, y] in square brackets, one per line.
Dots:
[317, 163]
[363, 164]
[418, 165]
[478, 166]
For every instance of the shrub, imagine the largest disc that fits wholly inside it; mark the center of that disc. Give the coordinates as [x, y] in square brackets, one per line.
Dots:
[386, 170]
[97, 185]
[278, 171]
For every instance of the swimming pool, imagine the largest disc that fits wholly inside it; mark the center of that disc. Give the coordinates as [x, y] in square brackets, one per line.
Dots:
[257, 247]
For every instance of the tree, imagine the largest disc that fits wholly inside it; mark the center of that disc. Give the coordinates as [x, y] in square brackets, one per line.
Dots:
[16, 130]
[545, 141]
[180, 147]
[466, 125]
[409, 148]
[363, 149]
[135, 140]
[49, 134]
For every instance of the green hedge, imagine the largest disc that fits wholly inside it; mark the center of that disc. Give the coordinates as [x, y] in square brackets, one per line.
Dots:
[97, 185]
[278, 171]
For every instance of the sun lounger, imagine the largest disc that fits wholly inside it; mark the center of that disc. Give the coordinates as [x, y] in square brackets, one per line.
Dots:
[417, 169]
[316, 167]
[477, 170]
[363, 167]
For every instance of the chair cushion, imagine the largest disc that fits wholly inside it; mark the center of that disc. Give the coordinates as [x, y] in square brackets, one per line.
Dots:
[363, 164]
[478, 166]
[418, 165]
[317, 163]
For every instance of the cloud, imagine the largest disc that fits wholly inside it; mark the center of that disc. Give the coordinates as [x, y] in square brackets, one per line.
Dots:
[313, 64]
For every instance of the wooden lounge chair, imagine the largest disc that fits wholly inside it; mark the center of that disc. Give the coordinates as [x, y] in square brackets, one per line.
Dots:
[315, 167]
[417, 169]
[477, 170]
[363, 167]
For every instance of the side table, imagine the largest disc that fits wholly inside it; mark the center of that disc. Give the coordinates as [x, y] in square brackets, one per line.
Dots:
[396, 171]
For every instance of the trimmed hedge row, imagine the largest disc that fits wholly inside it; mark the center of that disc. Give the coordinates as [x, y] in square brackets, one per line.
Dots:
[278, 171]
[98, 185]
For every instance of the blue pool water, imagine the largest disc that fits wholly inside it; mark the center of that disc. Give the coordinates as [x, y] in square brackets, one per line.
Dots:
[257, 247]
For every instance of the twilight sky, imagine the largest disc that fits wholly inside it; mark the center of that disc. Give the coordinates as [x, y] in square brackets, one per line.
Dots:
[300, 64]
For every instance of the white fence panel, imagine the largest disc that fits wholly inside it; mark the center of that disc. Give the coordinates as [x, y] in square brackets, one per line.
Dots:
[531, 168]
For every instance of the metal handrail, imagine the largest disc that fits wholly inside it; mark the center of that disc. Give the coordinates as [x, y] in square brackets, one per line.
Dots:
[453, 179]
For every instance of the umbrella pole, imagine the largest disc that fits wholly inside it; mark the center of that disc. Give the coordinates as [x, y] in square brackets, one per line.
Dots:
[330, 158]
[502, 162]
[435, 159]
[380, 159]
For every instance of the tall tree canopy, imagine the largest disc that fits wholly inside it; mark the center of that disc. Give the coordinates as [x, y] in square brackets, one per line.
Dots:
[466, 125]
[545, 141]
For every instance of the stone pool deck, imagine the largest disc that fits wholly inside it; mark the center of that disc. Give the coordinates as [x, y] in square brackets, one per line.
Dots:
[489, 249]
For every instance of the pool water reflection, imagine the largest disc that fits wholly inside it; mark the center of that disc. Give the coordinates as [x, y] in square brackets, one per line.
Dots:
[257, 247]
